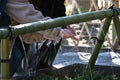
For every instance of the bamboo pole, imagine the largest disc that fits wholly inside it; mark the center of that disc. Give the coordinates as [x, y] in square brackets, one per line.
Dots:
[43, 25]
[61, 21]
[117, 25]
[97, 48]
[5, 59]
[114, 36]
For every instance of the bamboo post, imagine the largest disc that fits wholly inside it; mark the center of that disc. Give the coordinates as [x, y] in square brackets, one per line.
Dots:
[114, 37]
[5, 59]
[98, 45]
[117, 26]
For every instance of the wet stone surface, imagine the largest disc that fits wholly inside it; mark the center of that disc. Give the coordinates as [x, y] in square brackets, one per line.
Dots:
[104, 58]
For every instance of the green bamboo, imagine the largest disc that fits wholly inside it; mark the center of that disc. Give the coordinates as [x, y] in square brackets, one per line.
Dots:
[117, 25]
[97, 48]
[43, 25]
[5, 56]
[56, 22]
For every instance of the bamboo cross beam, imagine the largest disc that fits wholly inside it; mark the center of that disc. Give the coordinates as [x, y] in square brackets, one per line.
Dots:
[56, 22]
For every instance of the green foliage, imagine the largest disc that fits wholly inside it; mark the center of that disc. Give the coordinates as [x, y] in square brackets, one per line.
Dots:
[94, 76]
[43, 77]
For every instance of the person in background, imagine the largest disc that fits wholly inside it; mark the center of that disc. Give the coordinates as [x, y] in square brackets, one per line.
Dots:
[21, 12]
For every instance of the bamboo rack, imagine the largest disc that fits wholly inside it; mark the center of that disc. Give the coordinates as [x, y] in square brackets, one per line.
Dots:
[56, 22]
[52, 23]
